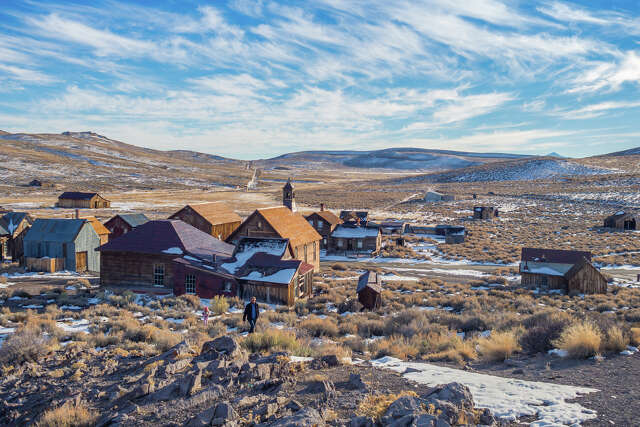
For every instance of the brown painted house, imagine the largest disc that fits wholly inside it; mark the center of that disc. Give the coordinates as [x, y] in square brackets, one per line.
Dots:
[13, 228]
[144, 256]
[369, 290]
[622, 221]
[215, 218]
[324, 222]
[281, 222]
[124, 223]
[567, 271]
[195, 276]
[75, 199]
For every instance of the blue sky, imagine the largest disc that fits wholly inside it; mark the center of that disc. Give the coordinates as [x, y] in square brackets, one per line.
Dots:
[252, 79]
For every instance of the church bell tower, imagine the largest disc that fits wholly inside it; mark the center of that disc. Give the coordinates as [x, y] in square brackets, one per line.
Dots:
[288, 196]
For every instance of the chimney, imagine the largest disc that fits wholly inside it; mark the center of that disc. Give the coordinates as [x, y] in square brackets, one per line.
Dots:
[321, 207]
[77, 214]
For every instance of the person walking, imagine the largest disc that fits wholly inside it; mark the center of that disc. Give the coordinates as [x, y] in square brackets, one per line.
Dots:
[205, 315]
[251, 313]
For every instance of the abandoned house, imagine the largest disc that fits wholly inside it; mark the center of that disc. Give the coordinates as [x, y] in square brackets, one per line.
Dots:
[102, 231]
[567, 271]
[124, 223]
[444, 229]
[74, 199]
[485, 212]
[143, 256]
[455, 237]
[195, 276]
[281, 222]
[264, 268]
[324, 222]
[215, 218]
[355, 239]
[394, 227]
[62, 244]
[434, 196]
[353, 216]
[369, 290]
[622, 221]
[13, 228]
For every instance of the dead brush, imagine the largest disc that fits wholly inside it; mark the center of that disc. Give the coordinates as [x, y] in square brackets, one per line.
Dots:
[68, 415]
[318, 327]
[580, 340]
[395, 346]
[375, 405]
[499, 346]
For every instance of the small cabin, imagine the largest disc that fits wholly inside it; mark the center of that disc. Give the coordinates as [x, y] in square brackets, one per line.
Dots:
[567, 271]
[124, 223]
[75, 199]
[324, 222]
[369, 290]
[355, 239]
[485, 212]
[623, 221]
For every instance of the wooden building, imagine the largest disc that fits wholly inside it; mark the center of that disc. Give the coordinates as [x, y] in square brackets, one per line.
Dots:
[355, 239]
[369, 290]
[622, 221]
[144, 256]
[195, 276]
[71, 243]
[102, 231]
[324, 222]
[485, 212]
[13, 229]
[567, 271]
[281, 222]
[215, 218]
[394, 227]
[124, 223]
[74, 199]
[455, 237]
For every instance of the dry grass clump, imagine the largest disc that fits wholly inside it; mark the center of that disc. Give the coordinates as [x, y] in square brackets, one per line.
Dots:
[396, 346]
[542, 329]
[499, 346]
[68, 415]
[580, 340]
[219, 305]
[326, 349]
[635, 336]
[614, 340]
[319, 327]
[375, 405]
[27, 344]
[275, 340]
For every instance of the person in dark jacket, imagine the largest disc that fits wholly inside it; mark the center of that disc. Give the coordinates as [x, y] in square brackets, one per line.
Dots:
[251, 313]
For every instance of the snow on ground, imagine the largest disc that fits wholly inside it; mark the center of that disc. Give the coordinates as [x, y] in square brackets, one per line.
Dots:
[74, 326]
[507, 398]
[57, 274]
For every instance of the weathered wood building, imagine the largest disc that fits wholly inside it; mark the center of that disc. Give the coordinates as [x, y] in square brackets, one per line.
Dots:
[281, 222]
[355, 239]
[568, 271]
[485, 212]
[215, 218]
[124, 223]
[13, 229]
[144, 256]
[623, 221]
[324, 222]
[369, 290]
[195, 276]
[72, 242]
[394, 227]
[102, 231]
[74, 199]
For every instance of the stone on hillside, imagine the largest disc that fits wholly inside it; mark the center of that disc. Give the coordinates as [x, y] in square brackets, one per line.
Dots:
[303, 418]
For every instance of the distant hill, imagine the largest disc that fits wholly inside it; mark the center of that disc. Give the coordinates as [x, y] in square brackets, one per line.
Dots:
[629, 152]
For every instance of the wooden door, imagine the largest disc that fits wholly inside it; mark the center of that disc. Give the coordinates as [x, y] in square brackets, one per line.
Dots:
[81, 261]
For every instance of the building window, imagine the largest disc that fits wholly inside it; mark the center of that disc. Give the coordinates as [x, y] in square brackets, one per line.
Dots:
[158, 275]
[190, 284]
[320, 224]
[227, 286]
[259, 225]
[340, 243]
[359, 244]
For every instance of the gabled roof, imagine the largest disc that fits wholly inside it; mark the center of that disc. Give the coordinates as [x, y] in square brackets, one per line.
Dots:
[289, 225]
[134, 220]
[169, 237]
[10, 221]
[100, 229]
[621, 214]
[577, 267]
[214, 212]
[352, 215]
[55, 230]
[263, 267]
[76, 195]
[328, 216]
[555, 256]
[3, 231]
[202, 265]
[247, 247]
[369, 279]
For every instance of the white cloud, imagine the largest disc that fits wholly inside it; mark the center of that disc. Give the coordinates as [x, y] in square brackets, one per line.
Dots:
[608, 75]
[25, 75]
[597, 110]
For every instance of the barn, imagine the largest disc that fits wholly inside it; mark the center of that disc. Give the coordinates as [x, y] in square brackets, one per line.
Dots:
[355, 239]
[144, 256]
[485, 212]
[13, 229]
[215, 218]
[75, 199]
[124, 223]
[621, 220]
[62, 244]
[568, 271]
[369, 290]
[281, 222]
[324, 222]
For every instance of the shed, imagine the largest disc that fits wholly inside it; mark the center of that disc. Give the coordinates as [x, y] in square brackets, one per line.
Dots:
[485, 212]
[622, 220]
[124, 223]
[369, 290]
[72, 242]
[215, 218]
[143, 256]
[281, 222]
[324, 222]
[355, 239]
[13, 229]
[75, 199]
